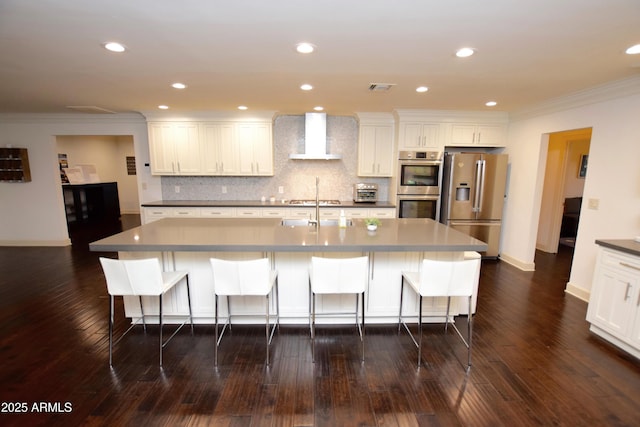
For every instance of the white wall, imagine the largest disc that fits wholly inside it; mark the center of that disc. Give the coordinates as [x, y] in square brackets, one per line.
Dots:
[32, 213]
[613, 177]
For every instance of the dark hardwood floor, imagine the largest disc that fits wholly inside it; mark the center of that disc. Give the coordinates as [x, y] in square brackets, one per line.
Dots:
[534, 361]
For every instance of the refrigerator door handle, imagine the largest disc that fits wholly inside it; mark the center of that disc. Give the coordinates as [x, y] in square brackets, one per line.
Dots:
[480, 185]
[476, 189]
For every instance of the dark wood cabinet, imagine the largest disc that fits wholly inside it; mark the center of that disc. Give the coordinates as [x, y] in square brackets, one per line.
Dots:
[14, 165]
[91, 203]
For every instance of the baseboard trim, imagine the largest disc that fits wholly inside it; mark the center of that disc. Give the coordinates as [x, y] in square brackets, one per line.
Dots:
[65, 242]
[578, 292]
[524, 266]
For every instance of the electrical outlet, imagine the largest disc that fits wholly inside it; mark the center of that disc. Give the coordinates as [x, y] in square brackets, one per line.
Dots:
[594, 204]
[281, 190]
[224, 189]
[177, 188]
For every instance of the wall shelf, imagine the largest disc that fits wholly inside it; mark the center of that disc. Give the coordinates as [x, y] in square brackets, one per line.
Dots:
[14, 165]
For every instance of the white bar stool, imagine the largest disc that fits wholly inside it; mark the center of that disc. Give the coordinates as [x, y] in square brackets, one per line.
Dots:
[244, 278]
[455, 278]
[141, 277]
[337, 276]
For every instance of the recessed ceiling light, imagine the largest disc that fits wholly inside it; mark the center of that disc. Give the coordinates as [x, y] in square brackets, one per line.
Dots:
[318, 108]
[114, 47]
[242, 107]
[163, 107]
[465, 52]
[179, 86]
[306, 87]
[491, 103]
[422, 89]
[633, 50]
[305, 48]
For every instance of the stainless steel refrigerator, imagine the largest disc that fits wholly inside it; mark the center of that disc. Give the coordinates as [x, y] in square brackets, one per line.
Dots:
[473, 192]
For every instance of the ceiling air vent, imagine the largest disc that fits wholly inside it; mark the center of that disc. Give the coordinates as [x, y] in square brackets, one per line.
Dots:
[91, 109]
[381, 87]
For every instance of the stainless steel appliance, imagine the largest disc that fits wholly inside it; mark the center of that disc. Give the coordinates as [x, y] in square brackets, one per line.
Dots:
[473, 191]
[419, 179]
[365, 193]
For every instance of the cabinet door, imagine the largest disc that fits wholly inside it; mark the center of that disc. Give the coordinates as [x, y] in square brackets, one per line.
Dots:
[216, 147]
[431, 136]
[255, 149]
[262, 149]
[187, 148]
[411, 136]
[367, 151]
[161, 148]
[375, 151]
[463, 135]
[490, 135]
[612, 305]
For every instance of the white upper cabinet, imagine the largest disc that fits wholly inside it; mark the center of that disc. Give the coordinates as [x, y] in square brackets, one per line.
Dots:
[211, 147]
[174, 148]
[256, 149]
[375, 150]
[420, 136]
[483, 135]
[219, 152]
[433, 130]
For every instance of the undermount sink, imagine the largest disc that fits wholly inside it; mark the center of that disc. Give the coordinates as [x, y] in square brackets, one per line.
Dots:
[310, 223]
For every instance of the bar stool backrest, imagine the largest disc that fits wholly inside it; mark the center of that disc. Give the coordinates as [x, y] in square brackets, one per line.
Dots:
[336, 275]
[449, 278]
[245, 277]
[133, 276]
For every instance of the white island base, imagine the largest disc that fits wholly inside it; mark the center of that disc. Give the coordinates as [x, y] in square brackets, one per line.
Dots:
[382, 297]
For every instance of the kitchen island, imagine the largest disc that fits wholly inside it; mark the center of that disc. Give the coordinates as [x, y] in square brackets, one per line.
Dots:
[187, 244]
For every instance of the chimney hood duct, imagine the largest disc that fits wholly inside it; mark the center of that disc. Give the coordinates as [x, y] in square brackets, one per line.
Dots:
[315, 139]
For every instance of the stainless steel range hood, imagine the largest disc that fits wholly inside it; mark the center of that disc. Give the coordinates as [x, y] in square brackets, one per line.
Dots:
[315, 139]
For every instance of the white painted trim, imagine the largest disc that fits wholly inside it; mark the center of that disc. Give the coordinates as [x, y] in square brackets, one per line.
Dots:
[577, 292]
[612, 90]
[65, 242]
[203, 116]
[524, 266]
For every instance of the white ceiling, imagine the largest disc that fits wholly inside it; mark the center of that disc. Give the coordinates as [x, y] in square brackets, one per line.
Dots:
[242, 52]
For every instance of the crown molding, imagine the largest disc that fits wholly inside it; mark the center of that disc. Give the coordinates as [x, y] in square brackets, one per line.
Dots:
[612, 90]
[71, 118]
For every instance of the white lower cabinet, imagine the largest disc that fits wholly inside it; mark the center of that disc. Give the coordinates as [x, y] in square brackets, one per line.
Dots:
[614, 306]
[151, 214]
[382, 296]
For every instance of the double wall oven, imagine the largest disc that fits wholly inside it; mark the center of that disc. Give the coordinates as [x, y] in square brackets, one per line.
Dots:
[419, 181]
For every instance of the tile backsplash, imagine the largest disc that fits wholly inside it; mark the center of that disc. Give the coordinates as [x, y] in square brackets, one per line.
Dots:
[296, 177]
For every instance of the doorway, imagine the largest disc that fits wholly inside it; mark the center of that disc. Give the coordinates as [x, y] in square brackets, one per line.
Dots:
[112, 199]
[565, 174]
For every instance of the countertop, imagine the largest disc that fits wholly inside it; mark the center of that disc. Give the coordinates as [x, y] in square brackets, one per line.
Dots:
[257, 204]
[266, 234]
[628, 246]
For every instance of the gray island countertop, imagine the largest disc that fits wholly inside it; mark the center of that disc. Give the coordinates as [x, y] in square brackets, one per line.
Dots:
[267, 234]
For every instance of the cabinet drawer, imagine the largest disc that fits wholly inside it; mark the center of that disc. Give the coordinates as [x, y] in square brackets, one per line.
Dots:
[274, 212]
[382, 213]
[248, 212]
[329, 213]
[217, 212]
[300, 213]
[185, 212]
[619, 260]
[356, 213]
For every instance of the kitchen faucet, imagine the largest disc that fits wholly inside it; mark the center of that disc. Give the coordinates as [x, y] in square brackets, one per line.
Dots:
[316, 222]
